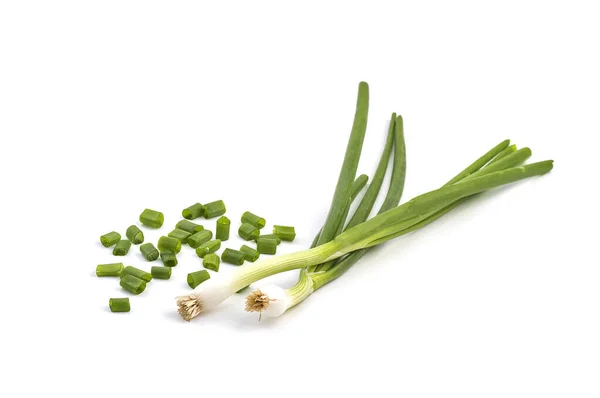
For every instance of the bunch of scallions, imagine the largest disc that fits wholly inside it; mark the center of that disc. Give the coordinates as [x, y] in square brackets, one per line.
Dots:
[341, 243]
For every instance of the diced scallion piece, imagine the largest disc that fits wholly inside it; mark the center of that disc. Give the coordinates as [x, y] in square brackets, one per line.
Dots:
[122, 247]
[180, 234]
[138, 273]
[132, 284]
[285, 233]
[196, 278]
[199, 238]
[168, 258]
[119, 304]
[113, 269]
[270, 236]
[266, 245]
[248, 231]
[250, 254]
[223, 226]
[213, 209]
[152, 218]
[161, 272]
[169, 243]
[149, 252]
[110, 238]
[211, 261]
[232, 256]
[208, 247]
[135, 235]
[253, 219]
[189, 226]
[194, 211]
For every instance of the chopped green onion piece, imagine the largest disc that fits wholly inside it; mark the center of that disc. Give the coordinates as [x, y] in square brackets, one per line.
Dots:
[110, 238]
[122, 247]
[135, 235]
[248, 231]
[285, 233]
[266, 245]
[211, 261]
[199, 238]
[253, 219]
[223, 226]
[196, 278]
[152, 218]
[168, 258]
[132, 284]
[113, 269]
[208, 247]
[189, 226]
[194, 211]
[149, 252]
[232, 256]
[169, 243]
[250, 254]
[138, 273]
[180, 234]
[270, 236]
[161, 272]
[119, 304]
[213, 209]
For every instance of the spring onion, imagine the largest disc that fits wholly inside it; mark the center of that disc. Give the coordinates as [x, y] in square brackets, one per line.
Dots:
[284, 233]
[189, 226]
[135, 235]
[113, 269]
[192, 212]
[213, 209]
[149, 252]
[253, 219]
[199, 238]
[152, 218]
[196, 278]
[119, 304]
[180, 235]
[208, 247]
[269, 236]
[168, 258]
[110, 239]
[222, 231]
[248, 231]
[132, 284]
[170, 244]
[138, 273]
[266, 245]
[250, 254]
[122, 247]
[231, 256]
[211, 261]
[161, 272]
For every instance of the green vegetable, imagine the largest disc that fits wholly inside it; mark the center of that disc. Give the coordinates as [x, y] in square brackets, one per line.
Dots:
[119, 305]
[248, 232]
[149, 252]
[223, 225]
[253, 219]
[250, 254]
[232, 256]
[110, 238]
[135, 235]
[284, 233]
[152, 218]
[138, 273]
[122, 247]
[199, 238]
[161, 272]
[113, 269]
[270, 236]
[180, 235]
[170, 244]
[189, 226]
[192, 212]
[266, 245]
[132, 284]
[208, 247]
[196, 278]
[168, 258]
[211, 261]
[213, 209]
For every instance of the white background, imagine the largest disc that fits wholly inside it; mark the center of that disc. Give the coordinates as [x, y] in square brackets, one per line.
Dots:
[110, 107]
